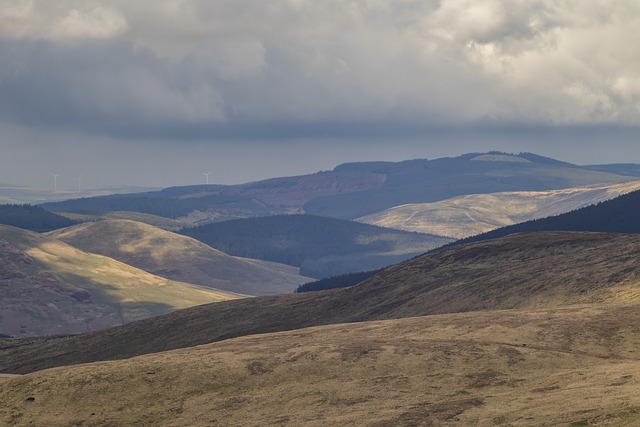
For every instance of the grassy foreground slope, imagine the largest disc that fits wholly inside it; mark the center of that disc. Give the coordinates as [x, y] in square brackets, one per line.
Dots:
[526, 271]
[574, 366]
[180, 258]
[49, 287]
[473, 214]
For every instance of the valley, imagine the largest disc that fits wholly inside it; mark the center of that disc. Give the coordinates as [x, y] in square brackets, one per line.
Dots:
[530, 324]
[302, 213]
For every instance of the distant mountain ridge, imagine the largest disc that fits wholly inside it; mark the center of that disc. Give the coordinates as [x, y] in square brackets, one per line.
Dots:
[353, 190]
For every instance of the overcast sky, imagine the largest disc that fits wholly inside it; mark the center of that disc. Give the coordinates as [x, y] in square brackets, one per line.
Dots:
[154, 92]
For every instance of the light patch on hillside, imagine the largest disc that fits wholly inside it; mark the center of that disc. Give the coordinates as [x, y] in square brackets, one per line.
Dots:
[473, 214]
[500, 158]
[56, 288]
[177, 257]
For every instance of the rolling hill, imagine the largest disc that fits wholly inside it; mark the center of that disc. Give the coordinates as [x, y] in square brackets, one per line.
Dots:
[155, 220]
[49, 287]
[524, 271]
[474, 214]
[353, 190]
[179, 258]
[568, 366]
[617, 215]
[319, 246]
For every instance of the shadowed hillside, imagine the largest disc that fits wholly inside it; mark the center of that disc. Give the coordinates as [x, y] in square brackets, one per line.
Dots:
[320, 246]
[178, 257]
[518, 272]
[49, 287]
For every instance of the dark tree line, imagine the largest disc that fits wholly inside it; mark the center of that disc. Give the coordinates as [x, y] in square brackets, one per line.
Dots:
[32, 218]
[334, 282]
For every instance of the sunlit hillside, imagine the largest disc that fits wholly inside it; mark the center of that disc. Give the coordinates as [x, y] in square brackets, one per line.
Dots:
[473, 214]
[179, 257]
[49, 287]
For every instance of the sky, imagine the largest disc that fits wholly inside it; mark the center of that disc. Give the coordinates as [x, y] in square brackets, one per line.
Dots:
[157, 92]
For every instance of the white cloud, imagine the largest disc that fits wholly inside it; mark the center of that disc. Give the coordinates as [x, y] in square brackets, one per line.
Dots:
[404, 62]
[59, 20]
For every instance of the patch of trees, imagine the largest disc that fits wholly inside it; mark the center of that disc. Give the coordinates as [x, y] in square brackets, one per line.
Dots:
[32, 218]
[165, 207]
[320, 246]
[168, 203]
[335, 282]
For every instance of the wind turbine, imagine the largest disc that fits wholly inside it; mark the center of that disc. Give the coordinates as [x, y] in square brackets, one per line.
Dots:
[55, 181]
[206, 176]
[79, 180]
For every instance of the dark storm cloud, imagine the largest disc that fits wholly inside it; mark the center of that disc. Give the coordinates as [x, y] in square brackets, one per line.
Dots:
[155, 92]
[248, 68]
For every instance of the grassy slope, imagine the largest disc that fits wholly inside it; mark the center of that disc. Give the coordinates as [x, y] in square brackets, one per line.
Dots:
[179, 257]
[51, 287]
[478, 213]
[572, 366]
[520, 272]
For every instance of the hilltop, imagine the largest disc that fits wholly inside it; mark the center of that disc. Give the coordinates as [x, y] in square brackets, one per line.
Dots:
[524, 271]
[49, 287]
[155, 220]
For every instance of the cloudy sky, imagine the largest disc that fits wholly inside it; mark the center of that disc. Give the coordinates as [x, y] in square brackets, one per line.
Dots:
[155, 92]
